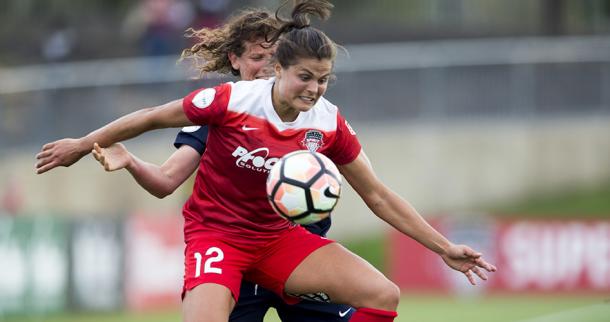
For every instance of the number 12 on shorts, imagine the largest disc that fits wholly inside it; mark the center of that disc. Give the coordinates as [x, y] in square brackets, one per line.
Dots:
[207, 266]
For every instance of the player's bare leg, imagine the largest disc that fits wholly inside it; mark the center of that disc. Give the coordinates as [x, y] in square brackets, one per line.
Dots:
[207, 303]
[345, 277]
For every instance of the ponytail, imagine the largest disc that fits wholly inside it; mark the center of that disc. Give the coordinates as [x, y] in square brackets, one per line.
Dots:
[296, 39]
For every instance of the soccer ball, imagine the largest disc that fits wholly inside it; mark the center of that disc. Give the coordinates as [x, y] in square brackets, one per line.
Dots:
[304, 187]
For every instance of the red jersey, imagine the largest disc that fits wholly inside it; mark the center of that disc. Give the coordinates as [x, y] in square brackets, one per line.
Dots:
[246, 138]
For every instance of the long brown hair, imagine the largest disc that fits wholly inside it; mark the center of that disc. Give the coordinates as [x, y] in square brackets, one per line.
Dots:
[296, 39]
[211, 52]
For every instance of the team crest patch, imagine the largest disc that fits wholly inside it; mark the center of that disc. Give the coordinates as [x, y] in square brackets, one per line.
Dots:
[313, 140]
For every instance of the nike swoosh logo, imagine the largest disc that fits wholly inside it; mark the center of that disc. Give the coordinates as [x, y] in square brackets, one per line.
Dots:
[342, 314]
[329, 193]
[247, 128]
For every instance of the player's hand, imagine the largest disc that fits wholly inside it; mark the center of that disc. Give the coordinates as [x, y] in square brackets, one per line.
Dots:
[464, 259]
[112, 158]
[61, 153]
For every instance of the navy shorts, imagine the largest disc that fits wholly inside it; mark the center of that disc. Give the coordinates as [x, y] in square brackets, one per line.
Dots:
[255, 301]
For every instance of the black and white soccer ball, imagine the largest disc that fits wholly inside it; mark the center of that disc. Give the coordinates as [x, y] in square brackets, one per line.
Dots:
[304, 187]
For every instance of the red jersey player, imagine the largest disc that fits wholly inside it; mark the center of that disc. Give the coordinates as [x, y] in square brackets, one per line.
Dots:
[238, 47]
[231, 231]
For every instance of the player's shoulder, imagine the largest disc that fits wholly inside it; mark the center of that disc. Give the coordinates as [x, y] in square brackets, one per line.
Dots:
[249, 95]
[244, 87]
[223, 88]
[323, 116]
[325, 106]
[203, 97]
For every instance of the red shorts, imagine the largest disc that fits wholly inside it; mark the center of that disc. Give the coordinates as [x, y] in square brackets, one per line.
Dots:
[222, 260]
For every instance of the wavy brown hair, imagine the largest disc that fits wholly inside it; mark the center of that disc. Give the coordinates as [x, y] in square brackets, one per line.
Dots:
[211, 51]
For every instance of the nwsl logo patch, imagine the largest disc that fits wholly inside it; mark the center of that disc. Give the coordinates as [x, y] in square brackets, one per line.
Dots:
[313, 140]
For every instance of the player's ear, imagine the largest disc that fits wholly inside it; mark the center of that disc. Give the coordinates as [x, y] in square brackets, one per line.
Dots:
[278, 70]
[233, 59]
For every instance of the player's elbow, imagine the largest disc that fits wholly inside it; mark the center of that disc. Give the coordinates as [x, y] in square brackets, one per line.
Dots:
[162, 192]
[374, 201]
[160, 195]
[373, 193]
[164, 186]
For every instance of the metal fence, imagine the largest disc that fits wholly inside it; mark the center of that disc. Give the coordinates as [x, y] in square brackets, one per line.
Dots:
[433, 81]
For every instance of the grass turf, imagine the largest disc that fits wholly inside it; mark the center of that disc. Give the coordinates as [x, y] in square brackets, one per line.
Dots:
[429, 308]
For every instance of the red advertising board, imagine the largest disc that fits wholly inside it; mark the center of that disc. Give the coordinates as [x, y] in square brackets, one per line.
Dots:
[154, 261]
[551, 256]
[414, 267]
[555, 256]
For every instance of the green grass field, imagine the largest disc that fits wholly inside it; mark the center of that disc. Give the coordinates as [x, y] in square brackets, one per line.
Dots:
[421, 308]
[429, 308]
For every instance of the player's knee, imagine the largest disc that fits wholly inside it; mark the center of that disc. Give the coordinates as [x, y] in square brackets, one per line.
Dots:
[389, 296]
[384, 296]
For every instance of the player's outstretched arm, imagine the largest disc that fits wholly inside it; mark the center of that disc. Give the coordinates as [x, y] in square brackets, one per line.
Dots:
[390, 207]
[66, 152]
[160, 181]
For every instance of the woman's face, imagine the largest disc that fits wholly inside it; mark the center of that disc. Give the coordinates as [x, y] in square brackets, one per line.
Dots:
[301, 85]
[255, 62]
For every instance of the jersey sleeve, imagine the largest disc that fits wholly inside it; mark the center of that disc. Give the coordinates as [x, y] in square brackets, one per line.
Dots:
[193, 136]
[207, 105]
[346, 147]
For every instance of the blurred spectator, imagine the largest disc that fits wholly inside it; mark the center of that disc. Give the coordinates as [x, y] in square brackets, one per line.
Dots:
[158, 25]
[12, 199]
[60, 42]
[211, 13]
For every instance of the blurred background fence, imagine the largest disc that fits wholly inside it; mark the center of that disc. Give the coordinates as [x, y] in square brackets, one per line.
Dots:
[439, 81]
[508, 116]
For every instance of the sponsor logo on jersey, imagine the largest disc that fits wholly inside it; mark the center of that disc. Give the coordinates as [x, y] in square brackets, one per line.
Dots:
[204, 98]
[248, 128]
[313, 140]
[254, 160]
